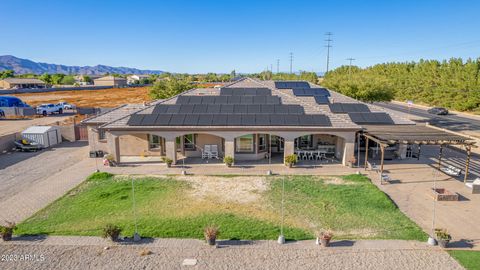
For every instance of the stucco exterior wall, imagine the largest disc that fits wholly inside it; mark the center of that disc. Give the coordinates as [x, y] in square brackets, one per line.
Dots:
[93, 142]
[137, 145]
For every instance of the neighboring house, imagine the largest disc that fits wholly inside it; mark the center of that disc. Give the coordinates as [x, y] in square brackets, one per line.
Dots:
[20, 83]
[135, 79]
[80, 79]
[110, 81]
[247, 119]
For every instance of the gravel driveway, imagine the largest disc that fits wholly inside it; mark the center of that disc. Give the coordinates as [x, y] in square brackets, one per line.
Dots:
[30, 181]
[89, 253]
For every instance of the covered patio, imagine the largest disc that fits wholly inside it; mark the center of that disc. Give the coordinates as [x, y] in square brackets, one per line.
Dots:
[387, 136]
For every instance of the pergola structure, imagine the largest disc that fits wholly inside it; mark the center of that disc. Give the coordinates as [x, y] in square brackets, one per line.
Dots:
[415, 134]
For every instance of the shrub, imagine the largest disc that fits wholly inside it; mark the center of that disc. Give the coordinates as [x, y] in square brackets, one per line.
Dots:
[7, 230]
[167, 160]
[291, 159]
[442, 234]
[99, 176]
[228, 160]
[111, 231]
[211, 232]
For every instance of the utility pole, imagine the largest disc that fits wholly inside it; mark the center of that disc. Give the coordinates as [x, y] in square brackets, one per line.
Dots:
[271, 68]
[278, 66]
[291, 62]
[350, 65]
[328, 46]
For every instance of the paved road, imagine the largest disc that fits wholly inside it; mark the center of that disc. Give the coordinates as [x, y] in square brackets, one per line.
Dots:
[452, 122]
[31, 181]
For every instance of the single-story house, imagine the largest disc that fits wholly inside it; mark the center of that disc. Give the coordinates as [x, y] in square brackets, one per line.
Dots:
[135, 78]
[247, 119]
[20, 83]
[110, 81]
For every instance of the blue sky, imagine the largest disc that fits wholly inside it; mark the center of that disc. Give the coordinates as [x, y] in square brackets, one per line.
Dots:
[219, 36]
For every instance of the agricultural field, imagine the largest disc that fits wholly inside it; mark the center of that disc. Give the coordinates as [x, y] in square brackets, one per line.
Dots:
[243, 207]
[106, 98]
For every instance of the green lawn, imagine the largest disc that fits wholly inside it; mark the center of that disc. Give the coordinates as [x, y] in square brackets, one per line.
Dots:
[352, 207]
[468, 259]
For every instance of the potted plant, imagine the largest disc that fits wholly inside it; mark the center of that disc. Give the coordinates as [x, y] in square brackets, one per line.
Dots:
[211, 232]
[443, 237]
[167, 161]
[111, 231]
[109, 160]
[352, 161]
[228, 160]
[325, 238]
[290, 160]
[7, 230]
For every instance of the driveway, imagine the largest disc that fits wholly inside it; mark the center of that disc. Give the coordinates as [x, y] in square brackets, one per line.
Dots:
[30, 181]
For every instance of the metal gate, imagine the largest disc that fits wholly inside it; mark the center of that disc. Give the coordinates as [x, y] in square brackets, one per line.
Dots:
[81, 133]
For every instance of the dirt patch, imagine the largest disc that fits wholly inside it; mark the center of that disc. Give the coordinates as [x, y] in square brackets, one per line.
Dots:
[336, 181]
[106, 98]
[243, 189]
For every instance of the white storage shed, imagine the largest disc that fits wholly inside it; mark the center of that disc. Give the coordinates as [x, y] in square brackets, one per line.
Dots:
[44, 135]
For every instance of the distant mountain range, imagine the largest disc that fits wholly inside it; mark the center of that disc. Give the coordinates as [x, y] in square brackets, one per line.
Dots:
[23, 66]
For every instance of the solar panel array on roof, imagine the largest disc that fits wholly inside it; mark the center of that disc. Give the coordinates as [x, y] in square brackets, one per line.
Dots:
[309, 92]
[229, 120]
[321, 99]
[348, 107]
[228, 109]
[245, 92]
[231, 99]
[291, 84]
[371, 118]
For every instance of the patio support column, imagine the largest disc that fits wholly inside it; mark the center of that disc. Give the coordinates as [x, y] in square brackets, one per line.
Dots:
[382, 149]
[467, 163]
[289, 148]
[113, 143]
[440, 155]
[366, 152]
[230, 148]
[419, 151]
[348, 151]
[170, 149]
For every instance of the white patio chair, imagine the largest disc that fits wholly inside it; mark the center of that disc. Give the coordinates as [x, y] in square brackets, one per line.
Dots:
[206, 151]
[214, 151]
[310, 155]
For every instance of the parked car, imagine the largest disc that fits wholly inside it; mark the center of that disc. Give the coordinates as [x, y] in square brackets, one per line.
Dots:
[9, 101]
[45, 109]
[438, 111]
[66, 105]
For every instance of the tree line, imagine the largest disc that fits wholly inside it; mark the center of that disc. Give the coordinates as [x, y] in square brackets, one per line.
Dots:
[453, 83]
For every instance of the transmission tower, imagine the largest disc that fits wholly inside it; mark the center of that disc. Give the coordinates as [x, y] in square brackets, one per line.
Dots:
[328, 46]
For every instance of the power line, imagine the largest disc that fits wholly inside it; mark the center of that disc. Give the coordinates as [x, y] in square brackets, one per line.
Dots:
[291, 62]
[278, 65]
[350, 65]
[328, 46]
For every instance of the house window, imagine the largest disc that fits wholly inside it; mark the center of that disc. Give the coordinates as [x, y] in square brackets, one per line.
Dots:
[189, 142]
[262, 142]
[153, 141]
[245, 144]
[101, 134]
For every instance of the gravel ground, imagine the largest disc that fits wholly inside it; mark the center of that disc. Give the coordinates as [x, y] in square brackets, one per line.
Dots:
[30, 181]
[89, 253]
